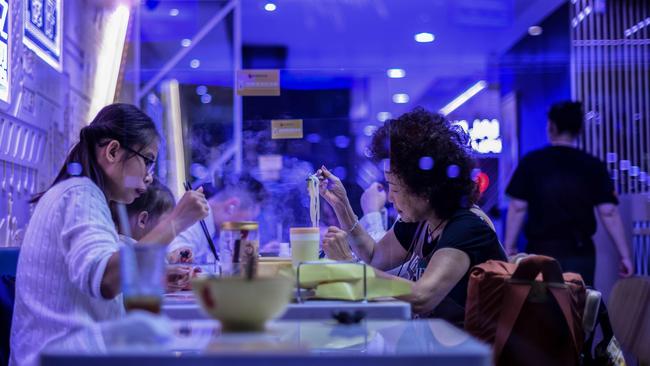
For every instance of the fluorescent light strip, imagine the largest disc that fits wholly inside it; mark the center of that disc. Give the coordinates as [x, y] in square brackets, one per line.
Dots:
[464, 97]
[637, 27]
[109, 59]
[174, 131]
[581, 16]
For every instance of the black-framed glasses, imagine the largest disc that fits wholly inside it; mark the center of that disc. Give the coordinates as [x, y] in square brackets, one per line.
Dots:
[149, 163]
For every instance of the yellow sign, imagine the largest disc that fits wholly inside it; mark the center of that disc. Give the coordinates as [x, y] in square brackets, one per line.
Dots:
[286, 129]
[258, 82]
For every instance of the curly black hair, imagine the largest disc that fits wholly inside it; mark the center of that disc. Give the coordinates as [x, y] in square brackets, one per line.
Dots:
[431, 157]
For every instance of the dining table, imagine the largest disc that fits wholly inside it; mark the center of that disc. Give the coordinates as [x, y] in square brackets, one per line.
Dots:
[142, 339]
[183, 306]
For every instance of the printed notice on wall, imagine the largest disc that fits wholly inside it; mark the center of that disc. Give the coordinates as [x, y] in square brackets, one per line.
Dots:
[42, 33]
[286, 129]
[4, 51]
[258, 82]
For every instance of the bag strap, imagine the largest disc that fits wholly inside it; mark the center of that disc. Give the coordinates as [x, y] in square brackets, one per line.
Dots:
[602, 320]
[563, 298]
[517, 292]
[515, 296]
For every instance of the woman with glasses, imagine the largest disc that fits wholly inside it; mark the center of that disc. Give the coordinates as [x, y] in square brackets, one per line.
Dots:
[68, 272]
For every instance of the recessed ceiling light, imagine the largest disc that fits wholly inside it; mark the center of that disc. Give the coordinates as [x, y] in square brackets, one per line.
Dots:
[173, 12]
[270, 7]
[384, 116]
[535, 30]
[195, 63]
[400, 98]
[369, 130]
[206, 98]
[186, 42]
[396, 73]
[201, 89]
[424, 37]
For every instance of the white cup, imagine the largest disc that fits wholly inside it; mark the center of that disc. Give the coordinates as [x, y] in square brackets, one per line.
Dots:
[305, 242]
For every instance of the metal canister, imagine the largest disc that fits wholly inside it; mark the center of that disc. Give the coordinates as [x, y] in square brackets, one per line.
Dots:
[238, 247]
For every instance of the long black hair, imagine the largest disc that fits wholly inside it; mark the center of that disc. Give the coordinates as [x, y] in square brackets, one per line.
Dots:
[122, 122]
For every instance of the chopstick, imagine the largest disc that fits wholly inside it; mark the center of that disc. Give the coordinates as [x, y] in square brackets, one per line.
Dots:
[188, 187]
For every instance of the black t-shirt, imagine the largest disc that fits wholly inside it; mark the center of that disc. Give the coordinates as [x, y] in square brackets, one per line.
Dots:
[561, 185]
[464, 231]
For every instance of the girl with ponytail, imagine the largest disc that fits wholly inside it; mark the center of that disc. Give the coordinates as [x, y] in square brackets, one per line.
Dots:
[68, 271]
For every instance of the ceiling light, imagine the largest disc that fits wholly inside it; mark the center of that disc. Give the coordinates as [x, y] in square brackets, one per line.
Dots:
[173, 12]
[396, 73]
[186, 42]
[270, 7]
[201, 89]
[369, 130]
[195, 63]
[424, 37]
[463, 97]
[535, 30]
[400, 98]
[342, 142]
[206, 98]
[384, 116]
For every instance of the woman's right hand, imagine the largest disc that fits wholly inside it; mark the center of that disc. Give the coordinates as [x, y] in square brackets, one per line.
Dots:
[191, 208]
[331, 188]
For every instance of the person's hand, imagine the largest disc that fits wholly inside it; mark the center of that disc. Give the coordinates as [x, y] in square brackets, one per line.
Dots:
[179, 277]
[335, 244]
[181, 255]
[191, 208]
[626, 268]
[373, 199]
[331, 187]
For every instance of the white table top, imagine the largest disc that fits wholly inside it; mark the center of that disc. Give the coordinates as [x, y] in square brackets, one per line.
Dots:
[183, 306]
[284, 343]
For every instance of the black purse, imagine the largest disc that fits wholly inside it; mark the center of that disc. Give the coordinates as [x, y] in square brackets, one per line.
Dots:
[608, 351]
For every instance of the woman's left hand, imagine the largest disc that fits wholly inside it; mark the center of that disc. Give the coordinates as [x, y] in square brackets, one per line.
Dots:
[178, 277]
[335, 244]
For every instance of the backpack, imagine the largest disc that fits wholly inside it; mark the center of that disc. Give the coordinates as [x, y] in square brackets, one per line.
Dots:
[529, 312]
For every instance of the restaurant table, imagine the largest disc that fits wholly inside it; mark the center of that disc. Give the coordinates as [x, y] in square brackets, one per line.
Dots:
[183, 306]
[284, 343]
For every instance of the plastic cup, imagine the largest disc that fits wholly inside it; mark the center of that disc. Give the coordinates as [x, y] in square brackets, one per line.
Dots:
[305, 242]
[143, 272]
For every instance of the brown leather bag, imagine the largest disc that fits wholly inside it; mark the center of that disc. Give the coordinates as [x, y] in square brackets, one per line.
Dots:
[531, 313]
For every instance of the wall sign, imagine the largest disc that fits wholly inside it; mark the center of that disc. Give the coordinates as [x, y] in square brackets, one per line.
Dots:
[4, 51]
[42, 34]
[258, 82]
[286, 129]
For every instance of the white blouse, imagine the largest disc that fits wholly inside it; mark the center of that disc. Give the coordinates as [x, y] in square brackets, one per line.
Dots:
[68, 242]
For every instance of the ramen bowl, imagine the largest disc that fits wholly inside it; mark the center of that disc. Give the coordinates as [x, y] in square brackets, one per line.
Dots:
[240, 304]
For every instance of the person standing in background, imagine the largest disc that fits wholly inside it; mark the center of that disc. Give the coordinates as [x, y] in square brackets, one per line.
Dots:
[558, 187]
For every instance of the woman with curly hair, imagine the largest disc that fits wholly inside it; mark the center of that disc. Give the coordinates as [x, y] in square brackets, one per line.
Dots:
[438, 237]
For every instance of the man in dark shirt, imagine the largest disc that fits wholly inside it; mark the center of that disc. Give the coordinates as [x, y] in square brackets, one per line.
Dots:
[559, 186]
